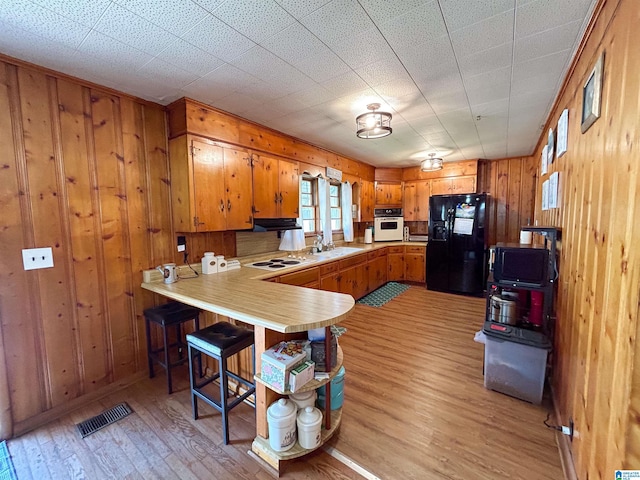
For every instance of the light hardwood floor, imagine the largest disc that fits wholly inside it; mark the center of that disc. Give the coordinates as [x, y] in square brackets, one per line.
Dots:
[415, 408]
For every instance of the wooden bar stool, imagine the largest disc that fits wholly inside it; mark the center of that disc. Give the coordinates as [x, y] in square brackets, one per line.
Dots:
[220, 341]
[168, 315]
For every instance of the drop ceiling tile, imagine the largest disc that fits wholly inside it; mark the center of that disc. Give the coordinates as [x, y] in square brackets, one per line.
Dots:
[540, 73]
[382, 71]
[104, 48]
[189, 58]
[258, 62]
[166, 73]
[429, 61]
[220, 40]
[207, 89]
[237, 103]
[294, 43]
[394, 89]
[288, 80]
[255, 19]
[209, 5]
[345, 84]
[85, 13]
[120, 24]
[414, 108]
[312, 96]
[337, 22]
[489, 86]
[323, 66]
[417, 27]
[547, 42]
[448, 103]
[383, 10]
[363, 48]
[173, 16]
[42, 22]
[229, 75]
[459, 14]
[301, 8]
[486, 60]
[262, 90]
[498, 108]
[483, 35]
[539, 15]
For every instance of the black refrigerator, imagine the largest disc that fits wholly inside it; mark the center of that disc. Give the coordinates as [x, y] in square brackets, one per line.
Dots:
[456, 251]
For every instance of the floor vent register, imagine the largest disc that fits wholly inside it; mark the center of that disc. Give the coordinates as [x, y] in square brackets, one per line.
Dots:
[106, 418]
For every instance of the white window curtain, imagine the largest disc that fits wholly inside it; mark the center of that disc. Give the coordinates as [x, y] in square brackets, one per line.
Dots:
[324, 200]
[347, 217]
[293, 240]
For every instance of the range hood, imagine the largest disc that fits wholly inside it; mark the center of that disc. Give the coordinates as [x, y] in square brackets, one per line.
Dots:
[275, 224]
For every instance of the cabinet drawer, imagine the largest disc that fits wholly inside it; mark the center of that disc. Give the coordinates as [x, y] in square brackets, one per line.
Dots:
[380, 252]
[398, 249]
[304, 277]
[328, 268]
[419, 250]
[351, 261]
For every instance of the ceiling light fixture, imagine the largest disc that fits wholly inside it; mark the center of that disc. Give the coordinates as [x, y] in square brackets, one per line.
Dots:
[373, 124]
[431, 164]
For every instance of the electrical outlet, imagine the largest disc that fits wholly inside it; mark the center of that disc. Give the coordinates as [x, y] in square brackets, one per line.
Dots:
[182, 243]
[34, 258]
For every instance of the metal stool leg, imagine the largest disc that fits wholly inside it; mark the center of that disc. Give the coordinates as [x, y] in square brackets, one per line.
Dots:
[192, 381]
[224, 391]
[165, 337]
[147, 327]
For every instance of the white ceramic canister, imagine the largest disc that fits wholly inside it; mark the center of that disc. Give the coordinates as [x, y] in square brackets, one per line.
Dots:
[222, 263]
[281, 417]
[309, 427]
[209, 263]
[304, 399]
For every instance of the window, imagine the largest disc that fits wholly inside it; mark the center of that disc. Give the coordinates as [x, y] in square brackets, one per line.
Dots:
[308, 195]
[310, 206]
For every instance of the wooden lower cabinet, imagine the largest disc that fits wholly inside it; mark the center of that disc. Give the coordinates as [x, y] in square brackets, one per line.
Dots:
[377, 269]
[354, 273]
[302, 278]
[414, 264]
[330, 277]
[396, 263]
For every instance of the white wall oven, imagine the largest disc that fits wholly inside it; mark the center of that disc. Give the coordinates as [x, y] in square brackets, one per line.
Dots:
[388, 224]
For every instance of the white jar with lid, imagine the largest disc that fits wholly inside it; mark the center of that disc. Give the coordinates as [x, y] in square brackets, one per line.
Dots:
[209, 263]
[309, 427]
[222, 263]
[281, 417]
[304, 399]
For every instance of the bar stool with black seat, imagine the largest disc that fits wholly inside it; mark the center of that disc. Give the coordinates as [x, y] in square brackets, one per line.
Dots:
[219, 341]
[170, 314]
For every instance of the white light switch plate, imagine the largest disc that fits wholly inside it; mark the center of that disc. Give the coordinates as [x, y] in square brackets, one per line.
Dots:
[34, 258]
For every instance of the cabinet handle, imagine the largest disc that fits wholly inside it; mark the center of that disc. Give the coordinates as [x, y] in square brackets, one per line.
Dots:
[280, 197]
[221, 205]
[275, 197]
[229, 205]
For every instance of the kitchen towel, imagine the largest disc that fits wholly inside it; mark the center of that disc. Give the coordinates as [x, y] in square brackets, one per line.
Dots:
[347, 220]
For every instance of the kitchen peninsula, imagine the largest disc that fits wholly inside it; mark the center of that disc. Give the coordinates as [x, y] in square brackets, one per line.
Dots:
[276, 312]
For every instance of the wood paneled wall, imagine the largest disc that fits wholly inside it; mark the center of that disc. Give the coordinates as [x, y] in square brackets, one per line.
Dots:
[596, 377]
[83, 171]
[511, 184]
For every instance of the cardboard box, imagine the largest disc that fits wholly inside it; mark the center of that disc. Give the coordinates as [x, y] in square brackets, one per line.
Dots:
[277, 363]
[301, 375]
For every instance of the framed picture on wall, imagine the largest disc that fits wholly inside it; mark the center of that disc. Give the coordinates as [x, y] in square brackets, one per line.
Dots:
[543, 160]
[563, 133]
[550, 147]
[591, 95]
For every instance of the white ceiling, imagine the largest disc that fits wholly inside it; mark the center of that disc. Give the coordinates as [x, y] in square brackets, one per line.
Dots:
[463, 78]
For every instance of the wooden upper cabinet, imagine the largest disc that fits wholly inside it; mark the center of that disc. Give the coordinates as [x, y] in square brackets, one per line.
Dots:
[209, 185]
[389, 194]
[416, 200]
[367, 200]
[453, 185]
[276, 187]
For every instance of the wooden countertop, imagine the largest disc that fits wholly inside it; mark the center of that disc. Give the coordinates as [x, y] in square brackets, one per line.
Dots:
[240, 294]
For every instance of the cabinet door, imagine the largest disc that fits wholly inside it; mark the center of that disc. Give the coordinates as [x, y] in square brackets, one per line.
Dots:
[367, 201]
[360, 281]
[423, 192]
[410, 205]
[441, 186]
[239, 201]
[382, 194]
[396, 266]
[377, 272]
[347, 280]
[208, 186]
[464, 184]
[395, 194]
[289, 189]
[414, 259]
[265, 186]
[331, 282]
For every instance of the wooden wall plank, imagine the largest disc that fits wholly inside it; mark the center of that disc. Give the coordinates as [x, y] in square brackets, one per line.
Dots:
[55, 317]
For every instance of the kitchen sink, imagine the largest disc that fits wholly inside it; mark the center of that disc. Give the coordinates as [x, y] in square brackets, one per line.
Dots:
[336, 253]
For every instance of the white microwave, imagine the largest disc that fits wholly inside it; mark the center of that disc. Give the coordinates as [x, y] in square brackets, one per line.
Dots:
[388, 224]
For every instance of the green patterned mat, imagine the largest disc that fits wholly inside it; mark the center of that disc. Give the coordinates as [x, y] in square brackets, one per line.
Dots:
[7, 472]
[382, 295]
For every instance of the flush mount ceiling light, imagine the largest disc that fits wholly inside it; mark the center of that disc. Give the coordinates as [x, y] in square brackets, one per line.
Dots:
[373, 124]
[431, 164]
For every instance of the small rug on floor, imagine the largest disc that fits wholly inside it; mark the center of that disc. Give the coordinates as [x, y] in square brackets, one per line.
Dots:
[7, 472]
[382, 295]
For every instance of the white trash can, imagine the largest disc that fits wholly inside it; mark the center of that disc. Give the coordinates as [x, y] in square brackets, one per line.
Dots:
[281, 417]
